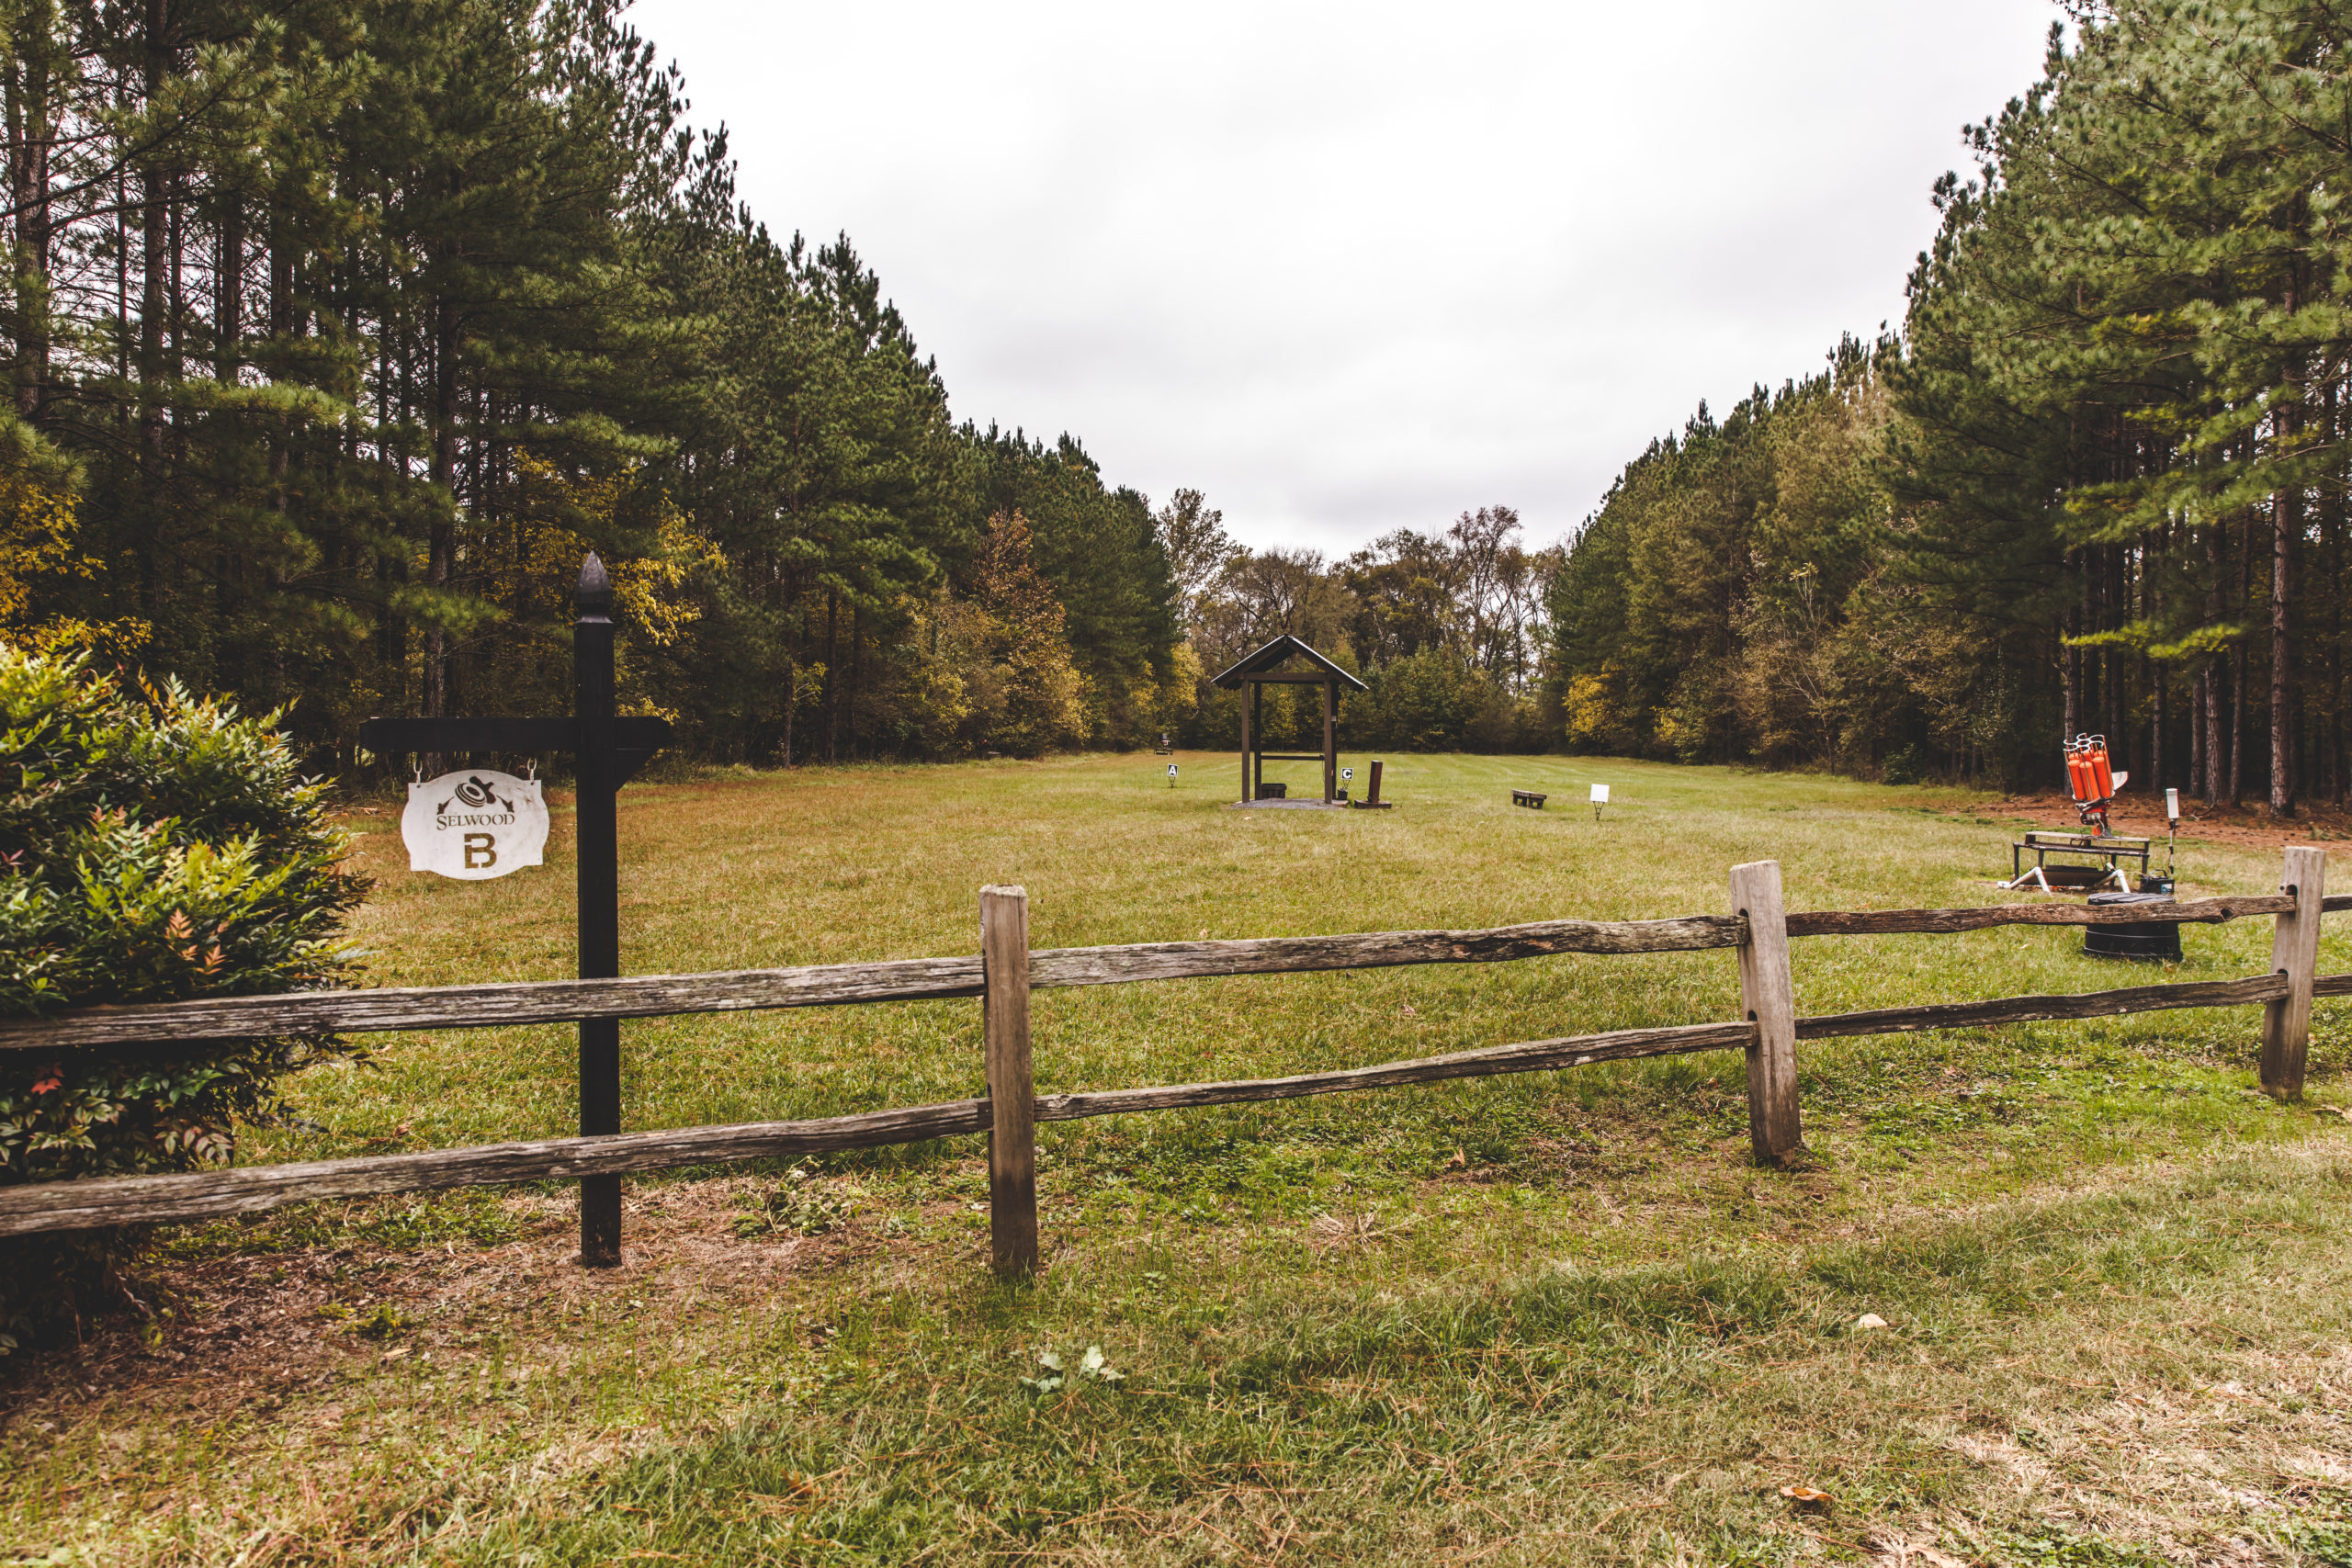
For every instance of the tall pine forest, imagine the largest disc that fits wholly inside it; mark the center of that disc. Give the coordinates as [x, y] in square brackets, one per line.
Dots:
[337, 334]
[2097, 482]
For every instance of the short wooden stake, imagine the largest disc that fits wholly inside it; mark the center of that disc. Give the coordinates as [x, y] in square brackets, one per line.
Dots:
[1012, 1090]
[1769, 998]
[2294, 953]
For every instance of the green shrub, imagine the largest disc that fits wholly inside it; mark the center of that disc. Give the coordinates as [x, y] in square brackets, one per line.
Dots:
[1430, 701]
[154, 847]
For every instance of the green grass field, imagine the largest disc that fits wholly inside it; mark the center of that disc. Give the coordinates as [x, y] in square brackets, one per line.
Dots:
[1555, 1318]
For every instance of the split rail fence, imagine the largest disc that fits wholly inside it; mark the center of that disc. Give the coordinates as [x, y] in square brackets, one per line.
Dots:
[1005, 970]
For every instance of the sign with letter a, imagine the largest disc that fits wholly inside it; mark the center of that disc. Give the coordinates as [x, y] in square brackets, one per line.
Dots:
[475, 825]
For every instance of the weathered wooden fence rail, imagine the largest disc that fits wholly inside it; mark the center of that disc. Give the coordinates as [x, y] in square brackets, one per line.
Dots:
[931, 979]
[1005, 970]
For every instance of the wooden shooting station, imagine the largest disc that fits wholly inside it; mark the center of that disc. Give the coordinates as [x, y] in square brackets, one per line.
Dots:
[1257, 670]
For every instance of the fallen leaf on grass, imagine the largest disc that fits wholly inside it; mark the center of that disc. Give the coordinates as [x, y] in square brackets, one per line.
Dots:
[1049, 1374]
[1869, 1320]
[1809, 1500]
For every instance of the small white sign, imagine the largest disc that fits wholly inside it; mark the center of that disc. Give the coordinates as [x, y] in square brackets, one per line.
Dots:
[1601, 794]
[2172, 805]
[1171, 770]
[475, 825]
[1347, 774]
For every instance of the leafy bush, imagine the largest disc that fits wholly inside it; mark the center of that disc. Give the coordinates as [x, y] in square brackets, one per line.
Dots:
[154, 847]
[1904, 765]
[1435, 701]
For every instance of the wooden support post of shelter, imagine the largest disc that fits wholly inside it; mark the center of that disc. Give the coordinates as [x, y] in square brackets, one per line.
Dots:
[1258, 669]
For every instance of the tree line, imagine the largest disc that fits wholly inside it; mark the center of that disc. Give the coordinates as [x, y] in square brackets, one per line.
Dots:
[1449, 627]
[337, 333]
[2098, 483]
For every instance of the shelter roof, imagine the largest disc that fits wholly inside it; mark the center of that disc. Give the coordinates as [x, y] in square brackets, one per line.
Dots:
[1280, 652]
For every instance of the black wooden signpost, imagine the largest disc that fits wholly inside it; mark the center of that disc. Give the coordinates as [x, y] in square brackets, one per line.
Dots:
[609, 751]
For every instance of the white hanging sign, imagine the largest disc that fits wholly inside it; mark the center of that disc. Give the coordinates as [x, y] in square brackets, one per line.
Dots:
[475, 825]
[1347, 774]
[1601, 794]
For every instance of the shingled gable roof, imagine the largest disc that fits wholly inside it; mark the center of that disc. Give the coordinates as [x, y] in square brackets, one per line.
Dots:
[1279, 652]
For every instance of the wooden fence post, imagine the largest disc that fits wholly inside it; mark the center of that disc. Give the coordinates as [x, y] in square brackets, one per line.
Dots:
[1769, 998]
[1012, 1093]
[2294, 953]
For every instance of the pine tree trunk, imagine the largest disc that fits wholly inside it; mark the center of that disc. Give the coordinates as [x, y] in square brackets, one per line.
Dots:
[2197, 693]
[2286, 508]
[2237, 727]
[2110, 664]
[153, 264]
[856, 671]
[441, 545]
[791, 702]
[30, 137]
[2217, 572]
[2286, 530]
[228, 284]
[2151, 611]
[833, 676]
[2070, 664]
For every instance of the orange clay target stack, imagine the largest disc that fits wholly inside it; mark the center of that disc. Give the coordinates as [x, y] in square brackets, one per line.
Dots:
[2092, 780]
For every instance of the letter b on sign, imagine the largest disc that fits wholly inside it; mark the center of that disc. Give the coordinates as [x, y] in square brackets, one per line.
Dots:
[481, 851]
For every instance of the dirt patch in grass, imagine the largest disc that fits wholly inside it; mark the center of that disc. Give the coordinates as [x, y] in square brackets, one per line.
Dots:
[249, 1315]
[2240, 827]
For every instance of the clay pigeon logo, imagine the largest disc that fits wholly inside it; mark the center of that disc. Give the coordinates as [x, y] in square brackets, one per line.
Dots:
[474, 795]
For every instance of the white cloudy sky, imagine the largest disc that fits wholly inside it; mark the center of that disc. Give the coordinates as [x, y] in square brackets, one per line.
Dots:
[1348, 268]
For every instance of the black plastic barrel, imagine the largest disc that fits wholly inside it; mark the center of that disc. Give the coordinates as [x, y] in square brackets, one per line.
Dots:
[2150, 939]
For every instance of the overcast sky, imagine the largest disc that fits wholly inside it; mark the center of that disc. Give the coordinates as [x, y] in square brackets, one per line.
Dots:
[1349, 267]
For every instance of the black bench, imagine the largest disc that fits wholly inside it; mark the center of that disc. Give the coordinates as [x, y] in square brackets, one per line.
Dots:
[1527, 798]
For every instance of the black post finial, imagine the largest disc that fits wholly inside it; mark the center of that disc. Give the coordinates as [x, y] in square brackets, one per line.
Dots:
[594, 596]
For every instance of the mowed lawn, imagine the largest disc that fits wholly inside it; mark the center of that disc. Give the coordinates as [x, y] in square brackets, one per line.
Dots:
[1554, 1318]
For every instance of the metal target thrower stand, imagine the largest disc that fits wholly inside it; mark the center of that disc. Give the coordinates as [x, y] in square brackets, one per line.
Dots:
[2092, 785]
